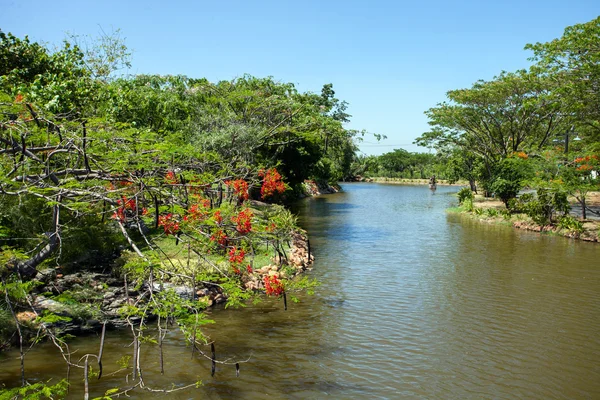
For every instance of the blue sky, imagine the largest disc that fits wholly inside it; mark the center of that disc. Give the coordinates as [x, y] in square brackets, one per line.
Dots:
[391, 60]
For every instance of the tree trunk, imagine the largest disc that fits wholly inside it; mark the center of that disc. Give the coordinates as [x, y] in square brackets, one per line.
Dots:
[473, 185]
[582, 202]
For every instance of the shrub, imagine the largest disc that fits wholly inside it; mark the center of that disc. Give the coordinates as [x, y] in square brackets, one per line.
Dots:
[491, 212]
[571, 224]
[543, 207]
[509, 177]
[464, 194]
[468, 205]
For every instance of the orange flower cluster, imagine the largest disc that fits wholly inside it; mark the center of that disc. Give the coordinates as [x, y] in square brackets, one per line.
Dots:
[240, 188]
[273, 286]
[243, 221]
[170, 178]
[170, 225]
[124, 204]
[272, 183]
[522, 155]
[198, 211]
[219, 236]
[236, 258]
[218, 217]
[586, 163]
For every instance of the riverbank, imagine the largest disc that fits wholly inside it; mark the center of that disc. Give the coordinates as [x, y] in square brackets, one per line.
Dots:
[493, 211]
[85, 300]
[403, 181]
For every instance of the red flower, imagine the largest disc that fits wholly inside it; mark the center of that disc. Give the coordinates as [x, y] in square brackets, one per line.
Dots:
[243, 221]
[236, 256]
[218, 218]
[240, 188]
[273, 286]
[199, 211]
[272, 183]
[170, 178]
[219, 237]
[170, 226]
[271, 227]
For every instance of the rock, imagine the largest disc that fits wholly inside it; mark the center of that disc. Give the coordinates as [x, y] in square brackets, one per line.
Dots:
[253, 283]
[109, 295]
[46, 275]
[26, 316]
[43, 303]
[92, 324]
[116, 304]
[220, 298]
[185, 292]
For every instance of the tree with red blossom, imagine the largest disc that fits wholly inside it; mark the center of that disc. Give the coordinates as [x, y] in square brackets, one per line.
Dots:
[272, 183]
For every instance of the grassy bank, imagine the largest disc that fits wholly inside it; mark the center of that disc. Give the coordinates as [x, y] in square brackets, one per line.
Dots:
[492, 211]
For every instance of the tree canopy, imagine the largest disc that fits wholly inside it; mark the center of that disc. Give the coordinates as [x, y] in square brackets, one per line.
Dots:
[525, 115]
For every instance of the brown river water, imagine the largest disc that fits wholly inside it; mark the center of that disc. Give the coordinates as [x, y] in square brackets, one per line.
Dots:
[414, 303]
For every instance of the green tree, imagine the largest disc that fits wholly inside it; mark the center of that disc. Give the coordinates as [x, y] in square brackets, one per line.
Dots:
[572, 62]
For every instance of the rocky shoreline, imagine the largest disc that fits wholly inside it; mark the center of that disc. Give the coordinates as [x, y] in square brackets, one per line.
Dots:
[314, 188]
[106, 294]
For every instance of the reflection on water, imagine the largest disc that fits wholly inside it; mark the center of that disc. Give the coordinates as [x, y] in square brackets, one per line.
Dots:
[414, 303]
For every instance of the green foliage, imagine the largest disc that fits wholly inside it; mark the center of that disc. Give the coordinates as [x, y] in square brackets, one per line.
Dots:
[572, 63]
[571, 224]
[400, 164]
[167, 166]
[465, 194]
[492, 212]
[509, 178]
[467, 205]
[543, 207]
[51, 318]
[7, 323]
[37, 391]
[539, 111]
[506, 214]
[57, 81]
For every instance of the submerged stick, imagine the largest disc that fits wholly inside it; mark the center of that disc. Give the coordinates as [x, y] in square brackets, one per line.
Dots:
[86, 393]
[135, 356]
[160, 347]
[213, 359]
[101, 350]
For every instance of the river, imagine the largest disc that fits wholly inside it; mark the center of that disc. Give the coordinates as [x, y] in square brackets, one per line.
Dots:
[414, 303]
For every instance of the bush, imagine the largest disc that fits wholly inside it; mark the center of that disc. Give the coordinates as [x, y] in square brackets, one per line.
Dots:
[491, 212]
[510, 175]
[464, 194]
[543, 207]
[571, 224]
[468, 205]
